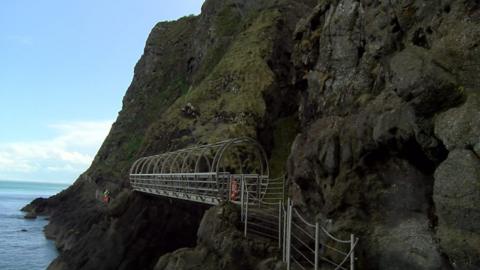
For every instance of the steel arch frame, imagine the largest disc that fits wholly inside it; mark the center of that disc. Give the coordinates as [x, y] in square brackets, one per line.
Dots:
[204, 172]
[166, 163]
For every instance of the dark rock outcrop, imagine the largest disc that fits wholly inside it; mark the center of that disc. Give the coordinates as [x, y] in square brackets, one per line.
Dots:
[459, 128]
[457, 184]
[457, 196]
[129, 233]
[221, 245]
[30, 215]
[381, 80]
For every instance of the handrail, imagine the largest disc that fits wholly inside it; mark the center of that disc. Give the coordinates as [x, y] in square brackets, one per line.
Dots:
[304, 250]
[302, 219]
[348, 255]
[174, 174]
[303, 231]
[334, 238]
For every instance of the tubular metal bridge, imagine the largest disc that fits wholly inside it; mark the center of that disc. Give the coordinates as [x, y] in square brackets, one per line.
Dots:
[205, 173]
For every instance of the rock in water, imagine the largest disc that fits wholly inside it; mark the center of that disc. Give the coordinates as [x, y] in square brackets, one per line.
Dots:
[30, 215]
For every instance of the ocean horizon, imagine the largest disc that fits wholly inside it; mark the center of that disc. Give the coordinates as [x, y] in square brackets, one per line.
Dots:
[22, 242]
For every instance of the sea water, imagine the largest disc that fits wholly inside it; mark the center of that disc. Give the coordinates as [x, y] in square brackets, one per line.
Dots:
[22, 242]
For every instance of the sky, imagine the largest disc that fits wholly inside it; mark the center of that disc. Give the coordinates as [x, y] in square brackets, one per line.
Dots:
[64, 68]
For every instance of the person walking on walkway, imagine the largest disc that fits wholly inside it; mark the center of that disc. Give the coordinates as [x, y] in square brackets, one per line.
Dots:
[106, 196]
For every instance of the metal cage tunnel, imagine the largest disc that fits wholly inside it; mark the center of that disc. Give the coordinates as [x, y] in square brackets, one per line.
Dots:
[207, 173]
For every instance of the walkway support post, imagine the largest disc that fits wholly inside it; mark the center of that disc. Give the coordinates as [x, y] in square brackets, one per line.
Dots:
[246, 217]
[316, 245]
[259, 189]
[229, 188]
[242, 197]
[284, 253]
[352, 254]
[280, 224]
[289, 232]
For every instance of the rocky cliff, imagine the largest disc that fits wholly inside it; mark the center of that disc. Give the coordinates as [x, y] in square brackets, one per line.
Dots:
[371, 107]
[389, 127]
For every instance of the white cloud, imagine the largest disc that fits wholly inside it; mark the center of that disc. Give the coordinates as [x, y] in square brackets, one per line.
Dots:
[7, 163]
[71, 151]
[65, 168]
[82, 133]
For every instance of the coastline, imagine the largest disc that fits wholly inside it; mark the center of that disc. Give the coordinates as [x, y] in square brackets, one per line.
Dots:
[23, 241]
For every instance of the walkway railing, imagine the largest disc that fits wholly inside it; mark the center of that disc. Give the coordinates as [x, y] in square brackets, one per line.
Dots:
[306, 245]
[261, 218]
[210, 188]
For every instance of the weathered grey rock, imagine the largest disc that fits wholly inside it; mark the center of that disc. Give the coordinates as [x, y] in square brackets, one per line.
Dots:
[476, 148]
[374, 76]
[460, 127]
[271, 264]
[407, 245]
[119, 204]
[186, 259]
[457, 199]
[422, 82]
[397, 126]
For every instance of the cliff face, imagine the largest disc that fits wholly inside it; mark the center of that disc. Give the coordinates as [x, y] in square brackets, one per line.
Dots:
[389, 127]
[383, 100]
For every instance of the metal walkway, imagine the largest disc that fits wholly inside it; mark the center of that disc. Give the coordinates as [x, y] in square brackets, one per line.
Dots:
[237, 170]
[208, 173]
